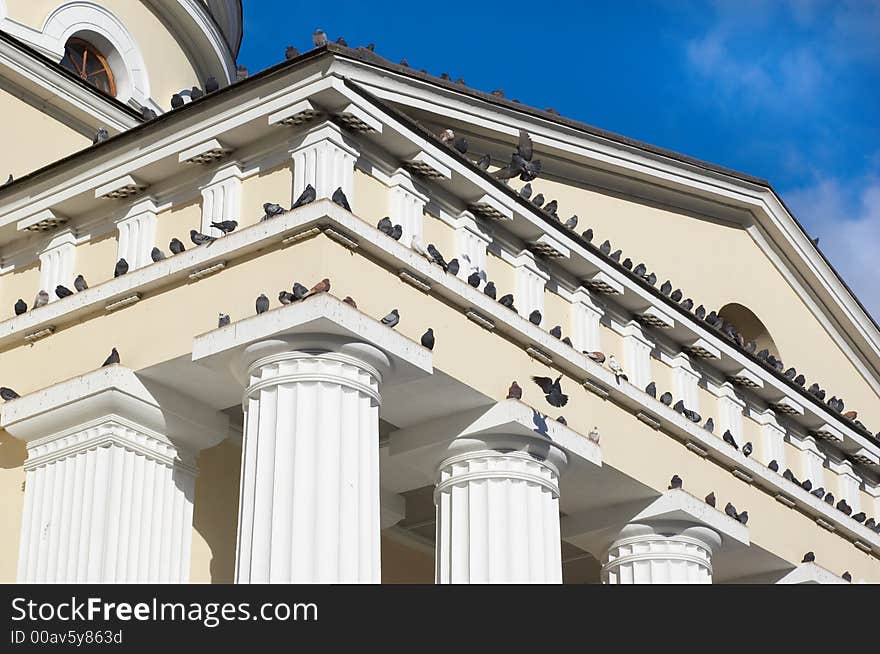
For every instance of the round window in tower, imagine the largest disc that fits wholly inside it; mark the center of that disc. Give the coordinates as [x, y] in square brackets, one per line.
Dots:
[84, 60]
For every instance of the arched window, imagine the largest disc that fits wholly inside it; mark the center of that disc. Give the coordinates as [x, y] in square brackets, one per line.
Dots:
[85, 61]
[748, 324]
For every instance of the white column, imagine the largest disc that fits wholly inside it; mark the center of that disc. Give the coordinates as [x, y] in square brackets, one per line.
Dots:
[686, 381]
[661, 554]
[730, 412]
[637, 354]
[221, 199]
[471, 243]
[498, 512]
[813, 467]
[585, 316]
[324, 158]
[137, 234]
[57, 263]
[530, 282]
[848, 484]
[406, 206]
[309, 503]
[773, 439]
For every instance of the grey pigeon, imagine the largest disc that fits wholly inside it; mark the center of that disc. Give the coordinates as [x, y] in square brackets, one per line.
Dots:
[290, 53]
[844, 507]
[391, 319]
[507, 301]
[730, 510]
[397, 232]
[710, 499]
[489, 289]
[747, 449]
[319, 38]
[341, 41]
[728, 438]
[800, 380]
[846, 576]
[148, 114]
[286, 297]
[101, 135]
[308, 195]
[818, 492]
[62, 292]
[640, 268]
[195, 93]
[627, 263]
[483, 162]
[225, 226]
[436, 257]
[80, 283]
[678, 407]
[743, 517]
[200, 239]
[650, 279]
[809, 557]
[666, 288]
[807, 485]
[212, 85]
[121, 268]
[860, 516]
[453, 267]
[514, 392]
[223, 320]
[572, 222]
[177, 101]
[710, 425]
[474, 279]
[428, 339]
[20, 307]
[299, 291]
[7, 394]
[587, 234]
[112, 359]
[339, 198]
[262, 304]
[385, 225]
[605, 248]
[675, 482]
[700, 312]
[551, 207]
[615, 256]
[41, 300]
[526, 191]
[676, 295]
[651, 389]
[176, 246]
[521, 164]
[156, 255]
[687, 304]
[460, 143]
[773, 465]
[538, 200]
[829, 498]
[552, 390]
[666, 398]
[556, 332]
[535, 317]
[270, 210]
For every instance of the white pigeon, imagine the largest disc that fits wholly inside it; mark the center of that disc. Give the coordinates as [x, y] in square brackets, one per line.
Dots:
[41, 300]
[419, 247]
[616, 368]
[594, 435]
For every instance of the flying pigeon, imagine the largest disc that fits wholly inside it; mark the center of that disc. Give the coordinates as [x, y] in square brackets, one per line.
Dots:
[113, 358]
[156, 255]
[262, 304]
[339, 198]
[121, 268]
[552, 390]
[20, 307]
[319, 38]
[521, 164]
[200, 239]
[535, 317]
[223, 320]
[514, 392]
[41, 300]
[225, 226]
[62, 292]
[7, 394]
[391, 319]
[428, 339]
[308, 195]
[489, 290]
[176, 246]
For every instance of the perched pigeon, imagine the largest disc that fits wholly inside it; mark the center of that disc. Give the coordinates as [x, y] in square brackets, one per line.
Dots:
[113, 358]
[818, 492]
[148, 114]
[556, 332]
[20, 307]
[308, 195]
[773, 465]
[551, 207]
[627, 263]
[747, 449]
[598, 357]
[846, 576]
[200, 239]
[391, 319]
[615, 256]
[561, 420]
[299, 291]
[319, 38]
[156, 255]
[605, 248]
[385, 225]
[743, 517]
[483, 162]
[212, 85]
[640, 268]
[514, 392]
[710, 499]
[535, 317]
[807, 485]
[474, 279]
[678, 407]
[321, 287]
[453, 267]
[829, 498]
[710, 425]
[428, 339]
[436, 257]
[666, 287]
[286, 297]
[809, 557]
[225, 226]
[860, 516]
[270, 210]
[727, 437]
[567, 341]
[41, 300]
[552, 390]
[121, 268]
[651, 389]
[262, 304]
[62, 292]
[844, 507]
[339, 198]
[507, 301]
[7, 394]
[489, 290]
[700, 312]
[526, 192]
[176, 246]
[687, 304]
[350, 301]
[290, 53]
[666, 398]
[101, 135]
[676, 295]
[397, 232]
[587, 235]
[538, 200]
[223, 320]
[730, 510]
[177, 101]
[675, 482]
[572, 222]
[195, 93]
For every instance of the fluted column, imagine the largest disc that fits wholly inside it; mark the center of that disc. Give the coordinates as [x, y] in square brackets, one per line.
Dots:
[309, 506]
[497, 505]
[667, 553]
[325, 159]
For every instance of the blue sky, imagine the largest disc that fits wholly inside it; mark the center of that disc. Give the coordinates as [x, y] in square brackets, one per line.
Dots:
[788, 90]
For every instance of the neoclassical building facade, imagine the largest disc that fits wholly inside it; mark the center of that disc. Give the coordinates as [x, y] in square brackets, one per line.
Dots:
[722, 381]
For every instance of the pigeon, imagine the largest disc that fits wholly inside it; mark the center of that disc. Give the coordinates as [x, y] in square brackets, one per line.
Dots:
[639, 270]
[41, 300]
[727, 437]
[651, 389]
[743, 517]
[818, 492]
[200, 239]
[851, 415]
[790, 373]
[846, 576]
[177, 101]
[223, 320]
[526, 192]
[710, 500]
[225, 226]
[62, 292]
[789, 475]
[687, 304]
[844, 507]
[385, 226]
[800, 380]
[521, 164]
[339, 198]
[615, 256]
[262, 304]
[650, 279]
[453, 267]
[211, 84]
[460, 144]
[428, 339]
[156, 255]
[121, 268]
[666, 398]
[101, 135]
[860, 516]
[567, 341]
[350, 301]
[397, 232]
[270, 210]
[870, 523]
[391, 319]
[551, 207]
[627, 263]
[7, 394]
[710, 425]
[112, 359]
[341, 41]
[807, 485]
[290, 53]
[700, 312]
[552, 390]
[676, 295]
[474, 279]
[538, 200]
[666, 288]
[195, 93]
[148, 114]
[829, 498]
[678, 407]
[514, 392]
[489, 290]
[308, 195]
[730, 510]
[176, 246]
[773, 465]
[556, 332]
[675, 482]
[535, 317]
[419, 247]
[572, 222]
[321, 287]
[507, 301]
[319, 38]
[20, 307]
[747, 449]
[605, 248]
[285, 297]
[587, 235]
[483, 162]
[436, 257]
[617, 369]
[598, 357]
[562, 421]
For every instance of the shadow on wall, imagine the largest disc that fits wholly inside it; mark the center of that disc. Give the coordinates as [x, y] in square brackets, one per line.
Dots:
[215, 513]
[750, 326]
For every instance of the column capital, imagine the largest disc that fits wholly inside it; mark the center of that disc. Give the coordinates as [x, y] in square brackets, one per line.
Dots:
[325, 132]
